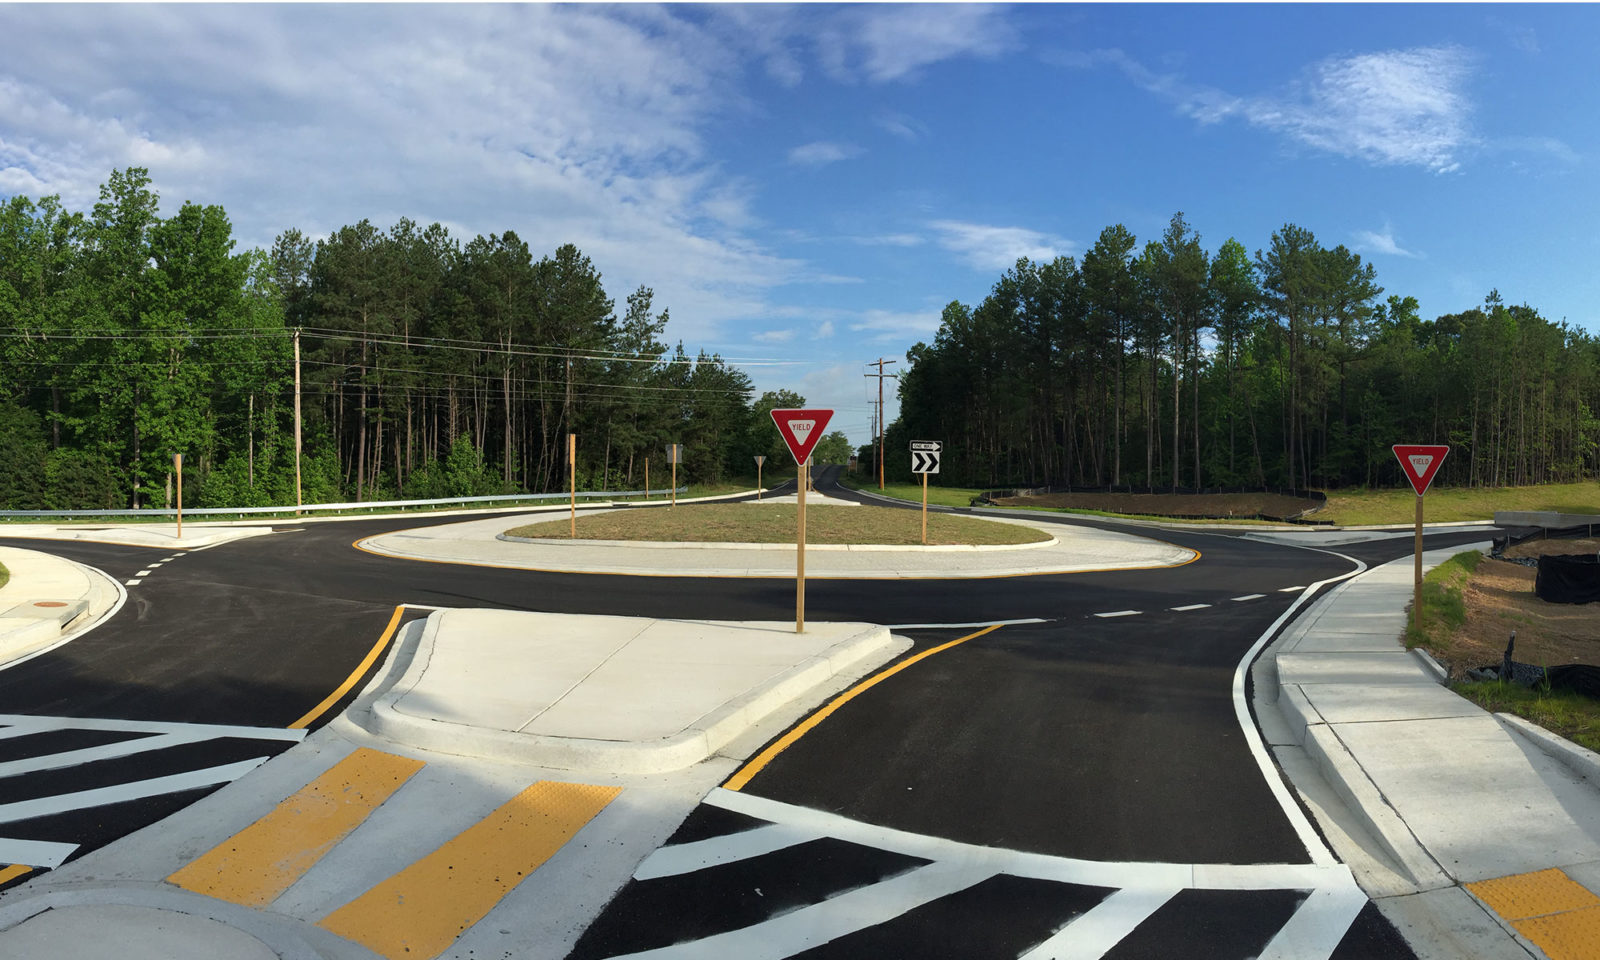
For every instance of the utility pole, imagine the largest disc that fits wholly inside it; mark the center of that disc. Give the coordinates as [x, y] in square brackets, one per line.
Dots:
[297, 421]
[880, 375]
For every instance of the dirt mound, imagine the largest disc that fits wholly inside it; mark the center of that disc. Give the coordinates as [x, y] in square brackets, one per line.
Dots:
[1171, 505]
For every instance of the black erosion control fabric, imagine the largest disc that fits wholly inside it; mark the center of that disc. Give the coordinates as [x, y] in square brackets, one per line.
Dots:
[1568, 578]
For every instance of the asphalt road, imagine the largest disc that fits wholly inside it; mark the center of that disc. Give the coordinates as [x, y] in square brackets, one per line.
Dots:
[1104, 739]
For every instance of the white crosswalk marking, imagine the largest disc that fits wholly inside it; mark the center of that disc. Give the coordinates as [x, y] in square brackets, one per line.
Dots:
[688, 857]
[1316, 928]
[137, 790]
[1094, 933]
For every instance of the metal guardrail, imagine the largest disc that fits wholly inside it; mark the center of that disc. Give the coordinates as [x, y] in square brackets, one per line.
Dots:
[323, 507]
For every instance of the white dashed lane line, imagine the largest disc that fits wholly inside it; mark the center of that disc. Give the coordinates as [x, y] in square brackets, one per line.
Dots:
[1120, 613]
[1248, 596]
[1290, 589]
[1192, 606]
[143, 573]
[132, 583]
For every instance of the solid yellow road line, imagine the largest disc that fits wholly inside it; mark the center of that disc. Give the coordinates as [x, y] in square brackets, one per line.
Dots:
[350, 681]
[421, 910]
[255, 865]
[1548, 907]
[8, 874]
[783, 743]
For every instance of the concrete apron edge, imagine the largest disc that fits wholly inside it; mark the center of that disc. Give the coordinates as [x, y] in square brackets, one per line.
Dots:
[810, 547]
[289, 938]
[695, 743]
[30, 639]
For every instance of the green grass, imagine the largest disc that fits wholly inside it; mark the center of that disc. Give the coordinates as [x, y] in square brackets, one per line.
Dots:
[1452, 504]
[1443, 608]
[912, 492]
[778, 522]
[1563, 713]
[4, 574]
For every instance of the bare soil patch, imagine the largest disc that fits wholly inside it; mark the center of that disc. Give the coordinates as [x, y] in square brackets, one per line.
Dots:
[1499, 598]
[1171, 505]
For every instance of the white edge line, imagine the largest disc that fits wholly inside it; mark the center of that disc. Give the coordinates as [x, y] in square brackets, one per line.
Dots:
[122, 598]
[1320, 854]
[1037, 866]
[34, 853]
[1120, 613]
[137, 790]
[954, 626]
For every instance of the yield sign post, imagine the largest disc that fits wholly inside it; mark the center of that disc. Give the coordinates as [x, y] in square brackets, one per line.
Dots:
[760, 459]
[1420, 463]
[801, 431]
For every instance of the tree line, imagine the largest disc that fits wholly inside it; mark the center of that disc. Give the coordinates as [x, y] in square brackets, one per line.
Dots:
[429, 367]
[1169, 366]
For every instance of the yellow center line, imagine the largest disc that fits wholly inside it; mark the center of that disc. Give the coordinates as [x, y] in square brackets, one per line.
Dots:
[256, 865]
[759, 762]
[8, 874]
[420, 911]
[350, 681]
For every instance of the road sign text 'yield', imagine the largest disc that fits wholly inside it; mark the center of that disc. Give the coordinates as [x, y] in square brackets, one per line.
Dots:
[1420, 463]
[801, 430]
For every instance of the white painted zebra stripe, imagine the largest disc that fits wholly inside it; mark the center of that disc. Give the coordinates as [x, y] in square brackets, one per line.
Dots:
[109, 751]
[21, 724]
[1104, 926]
[1248, 596]
[1120, 613]
[688, 857]
[35, 853]
[1038, 866]
[137, 790]
[1317, 928]
[1192, 606]
[812, 926]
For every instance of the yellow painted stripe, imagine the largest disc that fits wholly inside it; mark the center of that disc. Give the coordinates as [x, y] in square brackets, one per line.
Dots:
[1533, 894]
[350, 681]
[8, 874]
[418, 912]
[255, 865]
[1573, 935]
[783, 743]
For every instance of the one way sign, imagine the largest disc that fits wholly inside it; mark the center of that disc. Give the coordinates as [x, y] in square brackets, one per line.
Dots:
[925, 456]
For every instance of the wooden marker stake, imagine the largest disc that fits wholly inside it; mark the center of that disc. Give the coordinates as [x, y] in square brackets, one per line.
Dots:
[572, 480]
[924, 509]
[647, 479]
[177, 468]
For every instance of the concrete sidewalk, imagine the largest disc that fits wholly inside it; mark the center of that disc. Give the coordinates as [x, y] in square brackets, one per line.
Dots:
[139, 534]
[1478, 835]
[48, 598]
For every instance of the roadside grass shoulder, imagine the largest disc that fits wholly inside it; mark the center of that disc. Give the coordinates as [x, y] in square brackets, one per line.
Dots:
[1444, 608]
[1360, 507]
[912, 492]
[5, 575]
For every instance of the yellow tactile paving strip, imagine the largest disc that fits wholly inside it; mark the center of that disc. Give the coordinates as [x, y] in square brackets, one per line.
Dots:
[12, 872]
[1548, 907]
[420, 911]
[255, 865]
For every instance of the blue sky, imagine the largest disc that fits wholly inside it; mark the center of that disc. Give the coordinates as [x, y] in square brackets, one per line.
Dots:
[813, 183]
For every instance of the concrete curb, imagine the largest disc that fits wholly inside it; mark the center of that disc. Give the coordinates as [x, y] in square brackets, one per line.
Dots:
[1583, 762]
[686, 748]
[38, 614]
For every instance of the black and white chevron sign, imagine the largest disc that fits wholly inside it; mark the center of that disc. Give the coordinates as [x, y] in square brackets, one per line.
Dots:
[925, 456]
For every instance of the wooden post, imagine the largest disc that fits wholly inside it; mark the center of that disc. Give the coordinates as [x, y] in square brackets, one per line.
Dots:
[297, 422]
[647, 478]
[924, 509]
[177, 468]
[1416, 591]
[758, 477]
[674, 460]
[572, 480]
[800, 558]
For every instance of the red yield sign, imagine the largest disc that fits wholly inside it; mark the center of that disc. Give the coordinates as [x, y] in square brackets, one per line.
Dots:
[801, 430]
[1420, 463]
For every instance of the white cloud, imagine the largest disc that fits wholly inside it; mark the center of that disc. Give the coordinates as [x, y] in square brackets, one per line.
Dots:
[902, 125]
[988, 247]
[1367, 241]
[821, 153]
[891, 42]
[773, 336]
[892, 324]
[824, 331]
[891, 240]
[1405, 107]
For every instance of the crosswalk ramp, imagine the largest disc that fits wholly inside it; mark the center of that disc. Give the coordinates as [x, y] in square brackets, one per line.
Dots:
[70, 784]
[751, 878]
[420, 910]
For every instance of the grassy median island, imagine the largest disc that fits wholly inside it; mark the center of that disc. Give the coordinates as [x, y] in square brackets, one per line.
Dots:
[776, 523]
